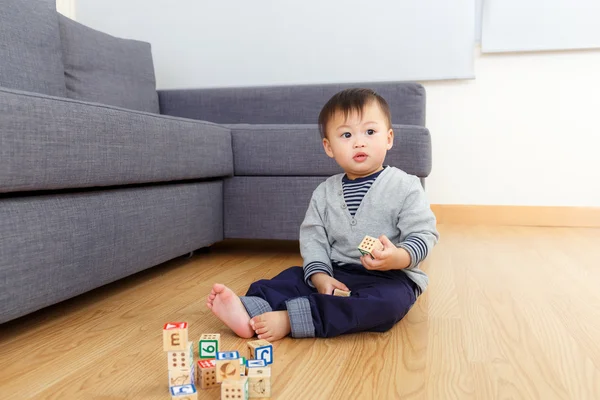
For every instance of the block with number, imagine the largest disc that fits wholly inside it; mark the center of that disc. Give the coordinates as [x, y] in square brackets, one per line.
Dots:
[206, 374]
[341, 293]
[259, 385]
[261, 350]
[368, 244]
[183, 376]
[175, 336]
[181, 359]
[208, 345]
[184, 392]
[234, 389]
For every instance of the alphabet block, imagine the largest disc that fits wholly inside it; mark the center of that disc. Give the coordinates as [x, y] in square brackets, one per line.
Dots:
[368, 244]
[259, 382]
[184, 392]
[228, 365]
[208, 345]
[341, 293]
[175, 336]
[182, 359]
[234, 389]
[206, 376]
[261, 350]
[183, 376]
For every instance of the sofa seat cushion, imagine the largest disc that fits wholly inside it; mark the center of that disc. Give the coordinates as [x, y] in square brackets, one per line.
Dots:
[105, 69]
[59, 143]
[30, 50]
[288, 150]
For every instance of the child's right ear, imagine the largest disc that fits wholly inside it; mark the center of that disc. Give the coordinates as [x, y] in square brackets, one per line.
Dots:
[327, 147]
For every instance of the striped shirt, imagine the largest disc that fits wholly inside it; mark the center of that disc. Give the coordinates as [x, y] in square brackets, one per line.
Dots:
[355, 190]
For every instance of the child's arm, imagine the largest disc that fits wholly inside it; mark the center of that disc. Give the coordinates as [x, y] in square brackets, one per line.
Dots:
[417, 225]
[314, 245]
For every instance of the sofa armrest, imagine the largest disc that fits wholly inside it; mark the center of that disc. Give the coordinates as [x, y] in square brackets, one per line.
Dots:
[285, 104]
[49, 143]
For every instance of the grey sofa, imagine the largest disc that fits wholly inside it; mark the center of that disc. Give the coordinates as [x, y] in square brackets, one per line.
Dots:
[102, 176]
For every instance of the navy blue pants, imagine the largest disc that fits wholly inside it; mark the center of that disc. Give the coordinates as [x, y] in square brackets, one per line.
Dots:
[378, 301]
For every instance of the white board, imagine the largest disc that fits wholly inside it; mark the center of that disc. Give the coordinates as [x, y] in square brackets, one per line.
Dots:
[535, 25]
[200, 43]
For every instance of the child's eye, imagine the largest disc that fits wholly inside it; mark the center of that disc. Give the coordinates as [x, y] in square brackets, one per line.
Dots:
[346, 135]
[370, 131]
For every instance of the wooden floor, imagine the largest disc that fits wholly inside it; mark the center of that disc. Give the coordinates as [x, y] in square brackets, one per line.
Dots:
[511, 313]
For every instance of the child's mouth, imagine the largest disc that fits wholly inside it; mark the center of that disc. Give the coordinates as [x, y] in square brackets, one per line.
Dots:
[360, 157]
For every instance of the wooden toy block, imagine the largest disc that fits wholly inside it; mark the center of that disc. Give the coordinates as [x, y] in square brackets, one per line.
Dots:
[368, 244]
[227, 355]
[175, 336]
[208, 345]
[234, 389]
[206, 374]
[255, 364]
[228, 369]
[242, 366]
[259, 385]
[182, 359]
[180, 377]
[341, 293]
[184, 392]
[261, 350]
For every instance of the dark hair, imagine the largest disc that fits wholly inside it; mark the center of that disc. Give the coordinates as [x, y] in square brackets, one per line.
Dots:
[350, 100]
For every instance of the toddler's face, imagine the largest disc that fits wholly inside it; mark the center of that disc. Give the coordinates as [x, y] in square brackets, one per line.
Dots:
[360, 142]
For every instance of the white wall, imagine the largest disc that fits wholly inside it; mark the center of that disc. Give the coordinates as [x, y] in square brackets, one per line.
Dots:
[526, 131]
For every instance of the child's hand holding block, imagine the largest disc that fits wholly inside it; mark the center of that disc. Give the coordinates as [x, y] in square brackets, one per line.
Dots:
[368, 244]
[341, 293]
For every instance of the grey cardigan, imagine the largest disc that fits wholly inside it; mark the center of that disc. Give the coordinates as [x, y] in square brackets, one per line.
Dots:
[395, 206]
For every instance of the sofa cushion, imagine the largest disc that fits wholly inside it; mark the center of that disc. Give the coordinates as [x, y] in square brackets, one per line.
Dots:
[105, 69]
[52, 143]
[271, 150]
[30, 51]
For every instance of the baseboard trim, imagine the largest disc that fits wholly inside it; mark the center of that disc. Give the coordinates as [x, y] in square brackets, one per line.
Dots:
[588, 217]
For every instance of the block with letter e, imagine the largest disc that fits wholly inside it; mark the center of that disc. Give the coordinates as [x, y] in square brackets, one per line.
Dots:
[175, 336]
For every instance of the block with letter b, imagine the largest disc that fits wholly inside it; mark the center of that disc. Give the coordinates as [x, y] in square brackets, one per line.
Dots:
[175, 336]
[261, 350]
[208, 345]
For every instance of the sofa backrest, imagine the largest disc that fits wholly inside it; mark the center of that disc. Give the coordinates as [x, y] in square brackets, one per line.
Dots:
[30, 50]
[105, 69]
[291, 104]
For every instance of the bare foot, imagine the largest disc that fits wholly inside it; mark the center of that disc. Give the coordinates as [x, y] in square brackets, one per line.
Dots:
[228, 307]
[272, 325]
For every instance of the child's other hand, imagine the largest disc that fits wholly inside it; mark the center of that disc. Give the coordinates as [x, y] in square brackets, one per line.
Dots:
[325, 283]
[391, 257]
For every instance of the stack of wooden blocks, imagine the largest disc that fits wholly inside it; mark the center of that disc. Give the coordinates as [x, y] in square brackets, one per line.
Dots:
[238, 378]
